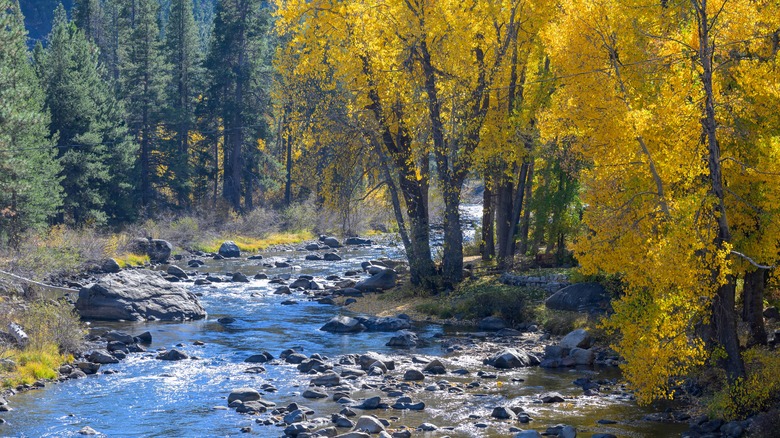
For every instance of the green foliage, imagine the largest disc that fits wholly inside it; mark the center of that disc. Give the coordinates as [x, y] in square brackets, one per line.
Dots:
[94, 148]
[29, 186]
[759, 391]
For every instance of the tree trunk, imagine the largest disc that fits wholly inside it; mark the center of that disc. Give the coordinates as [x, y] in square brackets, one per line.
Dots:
[753, 305]
[723, 315]
[452, 263]
[526, 221]
[503, 214]
[488, 246]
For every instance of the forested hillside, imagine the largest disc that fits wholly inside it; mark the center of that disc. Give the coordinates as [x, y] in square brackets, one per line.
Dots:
[638, 141]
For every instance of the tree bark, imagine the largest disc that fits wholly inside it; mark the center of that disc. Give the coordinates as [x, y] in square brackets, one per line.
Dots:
[723, 314]
[525, 224]
[488, 246]
[753, 305]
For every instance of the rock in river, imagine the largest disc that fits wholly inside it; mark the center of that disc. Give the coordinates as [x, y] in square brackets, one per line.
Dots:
[343, 324]
[137, 295]
[511, 358]
[384, 279]
[229, 249]
[243, 394]
[157, 250]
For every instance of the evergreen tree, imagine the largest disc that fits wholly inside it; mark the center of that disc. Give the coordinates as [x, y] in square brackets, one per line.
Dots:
[182, 51]
[237, 92]
[143, 79]
[95, 150]
[29, 186]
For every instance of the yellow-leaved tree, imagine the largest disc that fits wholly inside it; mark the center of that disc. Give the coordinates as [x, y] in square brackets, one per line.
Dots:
[670, 104]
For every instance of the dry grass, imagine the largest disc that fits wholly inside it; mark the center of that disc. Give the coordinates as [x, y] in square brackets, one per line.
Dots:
[255, 244]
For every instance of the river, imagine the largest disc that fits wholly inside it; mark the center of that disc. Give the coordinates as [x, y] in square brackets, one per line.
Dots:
[152, 398]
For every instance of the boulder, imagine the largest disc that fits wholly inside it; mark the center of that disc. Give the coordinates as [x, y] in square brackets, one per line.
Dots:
[101, 357]
[492, 323]
[176, 271]
[331, 257]
[327, 379]
[343, 324]
[551, 397]
[576, 339]
[229, 249]
[331, 242]
[580, 297]
[382, 280]
[244, 395]
[413, 375]
[118, 336]
[259, 358]
[369, 424]
[435, 367]
[403, 339]
[511, 358]
[110, 266]
[582, 356]
[357, 241]
[528, 434]
[503, 413]
[137, 295]
[158, 250]
[239, 278]
[173, 354]
[385, 323]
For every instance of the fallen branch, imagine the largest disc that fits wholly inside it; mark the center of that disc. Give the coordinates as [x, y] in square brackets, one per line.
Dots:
[48, 286]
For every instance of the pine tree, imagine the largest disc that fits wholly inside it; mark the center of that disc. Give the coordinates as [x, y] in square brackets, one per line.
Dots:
[30, 193]
[237, 92]
[143, 79]
[182, 51]
[94, 147]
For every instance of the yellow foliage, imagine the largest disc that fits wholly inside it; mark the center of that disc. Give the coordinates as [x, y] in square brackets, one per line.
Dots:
[34, 364]
[756, 393]
[255, 244]
[129, 259]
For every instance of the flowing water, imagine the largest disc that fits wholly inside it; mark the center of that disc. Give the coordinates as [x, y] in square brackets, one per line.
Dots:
[153, 398]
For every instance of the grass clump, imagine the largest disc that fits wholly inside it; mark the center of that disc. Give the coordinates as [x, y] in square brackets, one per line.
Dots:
[255, 244]
[34, 364]
[129, 260]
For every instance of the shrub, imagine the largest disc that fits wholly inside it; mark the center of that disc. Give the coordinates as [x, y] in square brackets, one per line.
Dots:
[756, 393]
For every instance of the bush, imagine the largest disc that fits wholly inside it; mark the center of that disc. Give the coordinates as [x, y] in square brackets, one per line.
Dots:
[756, 393]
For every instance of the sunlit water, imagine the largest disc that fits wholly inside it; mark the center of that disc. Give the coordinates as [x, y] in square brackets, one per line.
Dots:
[149, 397]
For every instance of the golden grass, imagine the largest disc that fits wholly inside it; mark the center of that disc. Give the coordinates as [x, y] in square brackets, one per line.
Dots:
[255, 244]
[129, 260]
[33, 365]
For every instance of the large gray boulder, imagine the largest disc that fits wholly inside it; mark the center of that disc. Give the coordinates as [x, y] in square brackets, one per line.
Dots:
[382, 280]
[511, 358]
[137, 295]
[343, 324]
[229, 249]
[576, 338]
[158, 250]
[580, 297]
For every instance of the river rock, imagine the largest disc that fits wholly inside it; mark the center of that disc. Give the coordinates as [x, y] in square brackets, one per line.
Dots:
[414, 375]
[314, 394]
[137, 295]
[302, 283]
[435, 367]
[110, 266]
[313, 257]
[551, 397]
[562, 431]
[403, 339]
[492, 323]
[357, 241]
[582, 356]
[243, 395]
[88, 367]
[282, 290]
[511, 358]
[102, 357]
[158, 250]
[331, 242]
[343, 324]
[239, 278]
[580, 297]
[295, 416]
[331, 257]
[172, 354]
[385, 323]
[382, 280]
[503, 413]
[327, 379]
[576, 339]
[113, 335]
[86, 430]
[259, 358]
[367, 360]
[229, 249]
[369, 424]
[176, 271]
[528, 434]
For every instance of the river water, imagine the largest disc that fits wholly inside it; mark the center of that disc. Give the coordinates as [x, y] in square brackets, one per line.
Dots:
[152, 398]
